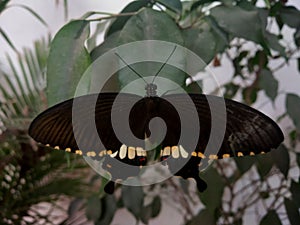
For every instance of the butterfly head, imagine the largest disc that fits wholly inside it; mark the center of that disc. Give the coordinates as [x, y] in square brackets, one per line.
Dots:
[151, 90]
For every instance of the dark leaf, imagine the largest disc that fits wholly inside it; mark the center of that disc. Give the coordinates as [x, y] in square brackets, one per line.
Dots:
[233, 20]
[244, 163]
[295, 190]
[293, 109]
[212, 196]
[174, 5]
[109, 43]
[151, 211]
[156, 206]
[3, 4]
[93, 208]
[201, 41]
[150, 24]
[297, 37]
[264, 164]
[204, 217]
[260, 59]
[273, 43]
[290, 16]
[109, 207]
[221, 36]
[249, 95]
[292, 211]
[67, 61]
[133, 198]
[281, 159]
[146, 214]
[298, 158]
[268, 83]
[119, 23]
[270, 218]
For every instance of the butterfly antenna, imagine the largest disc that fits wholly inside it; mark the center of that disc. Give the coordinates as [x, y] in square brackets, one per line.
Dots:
[163, 65]
[130, 67]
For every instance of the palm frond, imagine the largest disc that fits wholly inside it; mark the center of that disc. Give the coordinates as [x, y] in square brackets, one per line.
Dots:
[21, 90]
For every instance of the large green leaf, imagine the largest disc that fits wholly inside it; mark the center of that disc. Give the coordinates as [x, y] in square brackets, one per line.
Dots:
[67, 61]
[270, 218]
[244, 163]
[293, 109]
[119, 23]
[133, 199]
[93, 208]
[174, 5]
[109, 207]
[201, 41]
[273, 43]
[290, 16]
[268, 83]
[292, 211]
[264, 164]
[281, 159]
[239, 22]
[151, 211]
[109, 43]
[150, 24]
[212, 196]
[295, 190]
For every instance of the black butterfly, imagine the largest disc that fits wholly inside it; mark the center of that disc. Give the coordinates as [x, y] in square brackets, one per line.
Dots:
[197, 127]
[247, 131]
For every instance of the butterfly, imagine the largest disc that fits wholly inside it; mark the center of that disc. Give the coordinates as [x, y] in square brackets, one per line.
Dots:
[127, 131]
[247, 131]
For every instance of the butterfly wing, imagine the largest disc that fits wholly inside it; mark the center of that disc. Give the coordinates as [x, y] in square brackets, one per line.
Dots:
[240, 128]
[69, 125]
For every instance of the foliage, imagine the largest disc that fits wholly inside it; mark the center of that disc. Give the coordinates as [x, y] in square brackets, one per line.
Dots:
[252, 38]
[30, 174]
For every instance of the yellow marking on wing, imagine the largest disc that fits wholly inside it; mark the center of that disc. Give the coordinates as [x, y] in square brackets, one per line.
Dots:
[91, 154]
[78, 152]
[213, 156]
[131, 152]
[109, 152]
[183, 152]
[139, 151]
[226, 156]
[201, 155]
[123, 151]
[102, 153]
[114, 154]
[175, 152]
[167, 151]
[240, 154]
